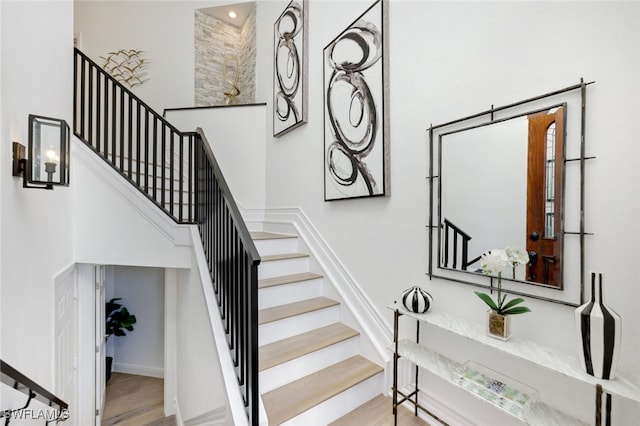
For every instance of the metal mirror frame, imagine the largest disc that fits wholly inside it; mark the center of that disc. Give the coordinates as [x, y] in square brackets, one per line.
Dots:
[435, 134]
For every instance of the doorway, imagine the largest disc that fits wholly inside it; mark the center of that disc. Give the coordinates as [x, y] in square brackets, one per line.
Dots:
[135, 389]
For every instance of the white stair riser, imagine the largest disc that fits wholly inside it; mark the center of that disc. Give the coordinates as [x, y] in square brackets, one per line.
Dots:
[277, 246]
[282, 374]
[289, 293]
[277, 268]
[336, 407]
[277, 330]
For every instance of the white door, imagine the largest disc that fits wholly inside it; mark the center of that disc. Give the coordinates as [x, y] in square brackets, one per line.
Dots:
[65, 332]
[100, 381]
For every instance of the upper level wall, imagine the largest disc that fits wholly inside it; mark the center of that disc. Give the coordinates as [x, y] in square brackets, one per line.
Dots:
[449, 60]
[164, 30]
[236, 136]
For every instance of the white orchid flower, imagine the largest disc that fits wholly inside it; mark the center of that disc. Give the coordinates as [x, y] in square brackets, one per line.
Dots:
[517, 256]
[494, 261]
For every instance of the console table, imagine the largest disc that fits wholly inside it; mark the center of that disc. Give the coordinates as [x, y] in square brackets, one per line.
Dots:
[539, 413]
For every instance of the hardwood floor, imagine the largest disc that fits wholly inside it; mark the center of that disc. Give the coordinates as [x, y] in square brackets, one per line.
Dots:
[138, 400]
[135, 401]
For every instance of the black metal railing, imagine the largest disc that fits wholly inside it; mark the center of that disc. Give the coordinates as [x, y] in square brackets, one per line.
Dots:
[179, 173]
[233, 261]
[452, 235]
[18, 381]
[134, 139]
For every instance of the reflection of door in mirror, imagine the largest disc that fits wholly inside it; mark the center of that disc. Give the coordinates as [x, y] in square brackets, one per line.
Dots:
[544, 196]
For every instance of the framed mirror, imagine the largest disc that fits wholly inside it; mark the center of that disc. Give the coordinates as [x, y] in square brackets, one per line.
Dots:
[498, 180]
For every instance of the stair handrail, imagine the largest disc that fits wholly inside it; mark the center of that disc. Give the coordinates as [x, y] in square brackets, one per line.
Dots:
[230, 251]
[20, 382]
[84, 129]
[245, 235]
[233, 265]
[457, 231]
[124, 88]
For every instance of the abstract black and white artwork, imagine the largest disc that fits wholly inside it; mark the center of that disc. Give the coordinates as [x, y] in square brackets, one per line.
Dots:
[356, 114]
[290, 80]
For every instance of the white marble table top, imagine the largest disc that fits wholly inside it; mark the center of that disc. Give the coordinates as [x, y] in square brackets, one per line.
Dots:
[625, 385]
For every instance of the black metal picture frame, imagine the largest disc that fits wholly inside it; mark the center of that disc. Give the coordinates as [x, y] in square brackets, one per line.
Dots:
[356, 110]
[290, 67]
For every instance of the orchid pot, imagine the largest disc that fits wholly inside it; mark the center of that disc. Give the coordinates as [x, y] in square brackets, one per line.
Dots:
[498, 326]
[493, 263]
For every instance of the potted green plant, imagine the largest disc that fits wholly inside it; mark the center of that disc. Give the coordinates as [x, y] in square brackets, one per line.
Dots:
[118, 319]
[493, 263]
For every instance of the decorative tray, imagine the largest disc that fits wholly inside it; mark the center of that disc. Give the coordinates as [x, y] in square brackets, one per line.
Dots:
[504, 392]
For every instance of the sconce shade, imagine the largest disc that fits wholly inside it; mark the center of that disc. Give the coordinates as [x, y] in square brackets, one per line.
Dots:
[48, 155]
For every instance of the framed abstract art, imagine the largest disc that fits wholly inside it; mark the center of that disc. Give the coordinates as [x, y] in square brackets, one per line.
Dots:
[290, 81]
[356, 112]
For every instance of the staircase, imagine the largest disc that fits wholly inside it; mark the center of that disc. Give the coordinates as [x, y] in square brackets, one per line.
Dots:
[311, 371]
[286, 336]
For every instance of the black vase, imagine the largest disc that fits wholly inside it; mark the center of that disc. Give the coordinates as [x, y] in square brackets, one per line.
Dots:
[599, 329]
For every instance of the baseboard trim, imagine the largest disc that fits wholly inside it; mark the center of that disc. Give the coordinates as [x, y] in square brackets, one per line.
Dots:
[179, 421]
[374, 326]
[140, 370]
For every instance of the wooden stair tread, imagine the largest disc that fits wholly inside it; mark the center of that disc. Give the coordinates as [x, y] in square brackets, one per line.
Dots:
[379, 412]
[292, 309]
[293, 347]
[262, 235]
[283, 256]
[287, 279]
[296, 397]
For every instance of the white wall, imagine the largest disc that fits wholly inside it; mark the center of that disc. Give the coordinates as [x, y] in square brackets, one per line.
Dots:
[163, 29]
[142, 291]
[109, 229]
[237, 139]
[36, 224]
[2, 161]
[200, 388]
[450, 60]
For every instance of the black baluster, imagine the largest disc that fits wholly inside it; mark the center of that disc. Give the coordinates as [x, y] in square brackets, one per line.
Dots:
[122, 147]
[180, 183]
[98, 110]
[89, 137]
[172, 155]
[130, 136]
[114, 119]
[82, 98]
[138, 130]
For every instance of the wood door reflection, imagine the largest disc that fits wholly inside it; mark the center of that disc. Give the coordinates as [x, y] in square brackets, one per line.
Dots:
[544, 197]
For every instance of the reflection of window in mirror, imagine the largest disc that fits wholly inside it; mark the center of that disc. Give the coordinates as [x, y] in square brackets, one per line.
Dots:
[544, 196]
[549, 230]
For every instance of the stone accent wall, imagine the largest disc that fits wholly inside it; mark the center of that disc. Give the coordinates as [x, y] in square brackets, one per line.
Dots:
[248, 59]
[215, 40]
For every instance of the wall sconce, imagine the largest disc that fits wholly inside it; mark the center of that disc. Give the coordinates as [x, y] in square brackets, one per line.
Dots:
[47, 162]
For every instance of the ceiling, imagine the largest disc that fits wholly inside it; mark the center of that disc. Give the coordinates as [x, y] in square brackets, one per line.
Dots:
[222, 12]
